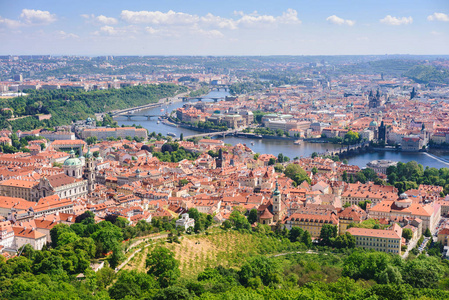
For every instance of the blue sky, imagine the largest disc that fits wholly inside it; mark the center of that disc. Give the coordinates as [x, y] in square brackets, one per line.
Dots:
[209, 27]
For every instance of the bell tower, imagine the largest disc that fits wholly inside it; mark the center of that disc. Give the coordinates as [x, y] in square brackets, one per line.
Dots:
[89, 171]
[277, 203]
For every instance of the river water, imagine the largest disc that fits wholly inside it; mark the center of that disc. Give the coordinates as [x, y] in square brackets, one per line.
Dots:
[287, 148]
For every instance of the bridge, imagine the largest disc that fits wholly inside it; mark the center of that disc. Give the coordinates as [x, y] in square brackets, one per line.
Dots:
[218, 87]
[212, 134]
[344, 150]
[216, 99]
[132, 109]
[129, 116]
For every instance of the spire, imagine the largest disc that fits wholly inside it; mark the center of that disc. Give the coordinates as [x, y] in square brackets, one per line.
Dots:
[276, 190]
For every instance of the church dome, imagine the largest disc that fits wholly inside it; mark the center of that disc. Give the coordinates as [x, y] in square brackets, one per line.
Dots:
[373, 124]
[72, 161]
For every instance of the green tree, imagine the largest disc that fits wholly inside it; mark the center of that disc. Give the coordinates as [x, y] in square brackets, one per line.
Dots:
[132, 285]
[56, 232]
[280, 158]
[105, 276]
[295, 234]
[306, 239]
[314, 170]
[163, 266]
[328, 234]
[407, 234]
[239, 220]
[427, 233]
[116, 256]
[296, 173]
[252, 217]
[173, 292]
[67, 237]
[345, 241]
[109, 236]
[91, 140]
[271, 161]
[345, 176]
[194, 214]
[314, 154]
[351, 137]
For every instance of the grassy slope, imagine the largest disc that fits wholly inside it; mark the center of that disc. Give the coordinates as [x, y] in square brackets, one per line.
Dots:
[229, 249]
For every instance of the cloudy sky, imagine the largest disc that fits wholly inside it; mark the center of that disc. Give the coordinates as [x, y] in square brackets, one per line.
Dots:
[224, 27]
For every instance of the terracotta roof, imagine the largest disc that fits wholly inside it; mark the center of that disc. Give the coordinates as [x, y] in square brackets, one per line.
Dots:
[29, 233]
[60, 180]
[19, 183]
[380, 233]
[266, 215]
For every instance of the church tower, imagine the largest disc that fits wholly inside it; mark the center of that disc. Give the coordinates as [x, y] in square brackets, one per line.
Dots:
[219, 160]
[277, 204]
[89, 171]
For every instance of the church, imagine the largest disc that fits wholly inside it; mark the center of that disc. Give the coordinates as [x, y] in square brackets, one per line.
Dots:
[77, 180]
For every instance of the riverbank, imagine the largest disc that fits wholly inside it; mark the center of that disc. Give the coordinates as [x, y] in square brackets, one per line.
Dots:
[159, 103]
[286, 147]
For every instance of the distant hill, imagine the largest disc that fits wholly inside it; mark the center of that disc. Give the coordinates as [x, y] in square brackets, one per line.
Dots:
[428, 74]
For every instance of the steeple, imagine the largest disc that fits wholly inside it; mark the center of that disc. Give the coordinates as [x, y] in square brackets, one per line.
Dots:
[277, 209]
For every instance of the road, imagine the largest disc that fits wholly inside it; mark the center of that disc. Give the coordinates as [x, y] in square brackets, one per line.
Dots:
[411, 245]
[123, 264]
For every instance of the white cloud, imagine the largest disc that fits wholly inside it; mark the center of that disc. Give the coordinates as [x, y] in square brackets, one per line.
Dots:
[151, 30]
[106, 20]
[437, 33]
[10, 23]
[389, 20]
[37, 17]
[438, 17]
[289, 17]
[339, 21]
[65, 35]
[109, 30]
[86, 16]
[158, 18]
[220, 22]
[179, 18]
[210, 33]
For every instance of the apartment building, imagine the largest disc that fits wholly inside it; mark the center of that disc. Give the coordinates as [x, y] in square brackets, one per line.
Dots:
[385, 240]
[355, 193]
[403, 207]
[120, 132]
[312, 222]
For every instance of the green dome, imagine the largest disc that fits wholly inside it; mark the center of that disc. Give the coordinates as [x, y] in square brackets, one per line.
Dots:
[72, 161]
[373, 124]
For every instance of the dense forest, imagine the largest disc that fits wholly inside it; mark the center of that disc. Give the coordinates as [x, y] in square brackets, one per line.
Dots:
[66, 106]
[254, 263]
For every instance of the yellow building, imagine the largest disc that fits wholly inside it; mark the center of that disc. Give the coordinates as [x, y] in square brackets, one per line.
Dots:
[311, 222]
[378, 239]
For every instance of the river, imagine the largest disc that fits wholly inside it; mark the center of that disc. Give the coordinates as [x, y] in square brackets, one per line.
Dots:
[287, 148]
